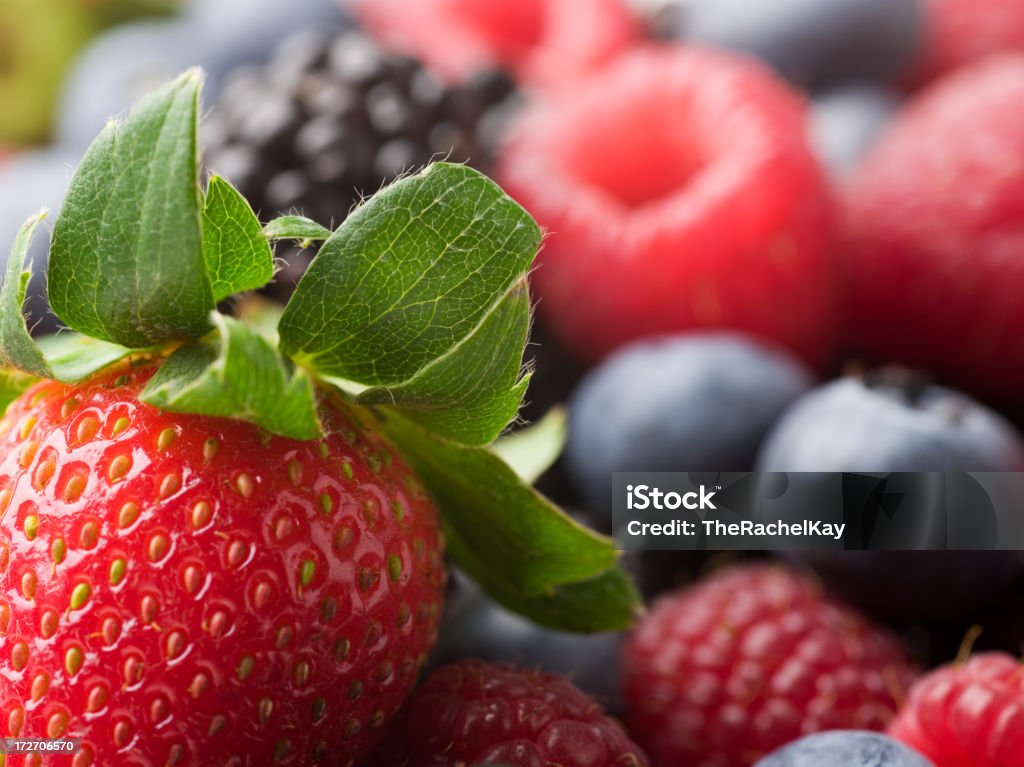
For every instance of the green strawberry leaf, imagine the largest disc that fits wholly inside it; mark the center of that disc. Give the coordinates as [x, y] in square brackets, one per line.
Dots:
[126, 259]
[485, 501]
[238, 257]
[296, 228]
[472, 392]
[261, 314]
[66, 357]
[17, 347]
[237, 373]
[415, 287]
[13, 384]
[523, 550]
[533, 450]
[74, 357]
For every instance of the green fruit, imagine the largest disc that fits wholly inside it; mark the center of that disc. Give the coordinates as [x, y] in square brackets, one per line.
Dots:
[38, 39]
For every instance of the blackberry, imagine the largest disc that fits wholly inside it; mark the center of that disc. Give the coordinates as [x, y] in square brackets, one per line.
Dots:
[333, 116]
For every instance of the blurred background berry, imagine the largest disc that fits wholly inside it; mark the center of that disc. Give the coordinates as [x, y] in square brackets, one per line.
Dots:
[782, 235]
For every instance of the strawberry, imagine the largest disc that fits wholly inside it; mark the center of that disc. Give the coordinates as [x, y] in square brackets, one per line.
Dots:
[220, 538]
[179, 588]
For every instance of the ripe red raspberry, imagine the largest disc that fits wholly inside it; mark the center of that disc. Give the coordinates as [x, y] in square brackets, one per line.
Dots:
[960, 32]
[680, 193]
[544, 42]
[476, 713]
[725, 672]
[969, 715]
[932, 273]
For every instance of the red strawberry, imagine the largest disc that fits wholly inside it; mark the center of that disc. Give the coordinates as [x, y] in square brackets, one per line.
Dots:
[477, 713]
[178, 589]
[542, 41]
[969, 715]
[725, 672]
[931, 269]
[680, 193]
[960, 32]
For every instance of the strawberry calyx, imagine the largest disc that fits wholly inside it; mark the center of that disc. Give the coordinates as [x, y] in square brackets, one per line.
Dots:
[415, 312]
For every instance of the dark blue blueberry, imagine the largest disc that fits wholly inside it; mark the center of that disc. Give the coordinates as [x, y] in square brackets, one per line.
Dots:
[117, 69]
[475, 627]
[696, 402]
[846, 121]
[812, 42]
[845, 748]
[890, 420]
[236, 32]
[127, 62]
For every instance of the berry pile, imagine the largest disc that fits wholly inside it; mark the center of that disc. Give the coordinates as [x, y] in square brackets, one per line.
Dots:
[779, 236]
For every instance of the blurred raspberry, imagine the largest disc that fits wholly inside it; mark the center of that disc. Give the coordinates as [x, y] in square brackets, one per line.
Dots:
[477, 713]
[545, 42]
[969, 715]
[932, 269]
[960, 32]
[680, 193]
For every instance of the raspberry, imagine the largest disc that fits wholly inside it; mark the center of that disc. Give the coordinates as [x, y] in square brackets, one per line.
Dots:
[969, 715]
[541, 41]
[931, 270]
[960, 32]
[724, 673]
[681, 193]
[476, 713]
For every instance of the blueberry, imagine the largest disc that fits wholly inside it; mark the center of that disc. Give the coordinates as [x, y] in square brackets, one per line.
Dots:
[812, 42]
[234, 32]
[475, 627]
[846, 121]
[845, 748]
[890, 420]
[696, 402]
[117, 69]
[28, 182]
[218, 35]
